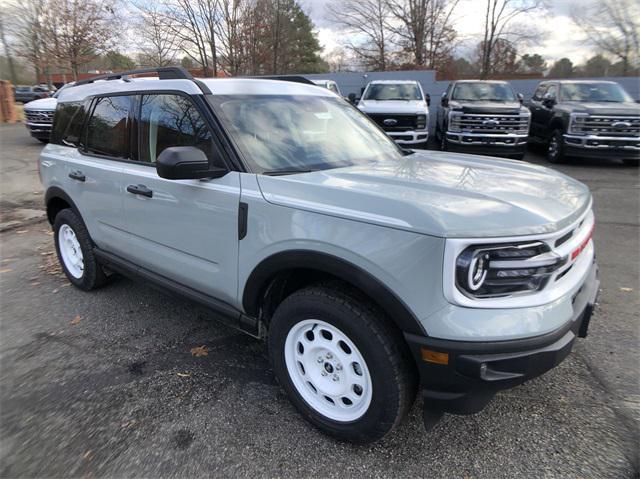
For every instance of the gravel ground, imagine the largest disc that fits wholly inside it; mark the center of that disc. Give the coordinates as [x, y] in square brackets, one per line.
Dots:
[104, 384]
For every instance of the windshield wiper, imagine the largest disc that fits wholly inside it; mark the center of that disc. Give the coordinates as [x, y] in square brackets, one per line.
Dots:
[285, 172]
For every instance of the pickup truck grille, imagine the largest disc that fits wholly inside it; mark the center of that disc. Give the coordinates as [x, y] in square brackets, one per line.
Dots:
[40, 116]
[490, 123]
[402, 122]
[607, 125]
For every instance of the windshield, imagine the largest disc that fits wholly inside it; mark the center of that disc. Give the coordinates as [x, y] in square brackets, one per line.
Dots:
[483, 92]
[286, 133]
[389, 91]
[594, 92]
[23, 88]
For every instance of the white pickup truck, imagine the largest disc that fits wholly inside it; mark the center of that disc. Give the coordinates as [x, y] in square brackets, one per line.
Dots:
[400, 108]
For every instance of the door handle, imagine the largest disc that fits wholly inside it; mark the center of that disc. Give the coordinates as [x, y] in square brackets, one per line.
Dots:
[77, 175]
[140, 190]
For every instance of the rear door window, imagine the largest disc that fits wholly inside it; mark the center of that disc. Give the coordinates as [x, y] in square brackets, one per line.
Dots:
[108, 127]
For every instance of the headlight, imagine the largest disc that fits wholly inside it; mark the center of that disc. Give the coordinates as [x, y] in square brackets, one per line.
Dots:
[491, 271]
[577, 122]
[454, 121]
[421, 122]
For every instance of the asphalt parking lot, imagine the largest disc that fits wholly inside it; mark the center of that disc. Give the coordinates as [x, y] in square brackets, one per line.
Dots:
[114, 383]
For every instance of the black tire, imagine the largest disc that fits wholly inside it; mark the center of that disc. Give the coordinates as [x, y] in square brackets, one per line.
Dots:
[555, 150]
[518, 157]
[631, 162]
[444, 146]
[43, 140]
[392, 370]
[92, 276]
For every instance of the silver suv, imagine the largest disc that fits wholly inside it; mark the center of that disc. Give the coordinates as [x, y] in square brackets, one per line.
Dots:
[372, 271]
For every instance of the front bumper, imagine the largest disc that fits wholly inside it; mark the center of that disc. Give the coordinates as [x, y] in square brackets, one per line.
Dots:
[409, 137]
[593, 146]
[508, 144]
[39, 130]
[475, 371]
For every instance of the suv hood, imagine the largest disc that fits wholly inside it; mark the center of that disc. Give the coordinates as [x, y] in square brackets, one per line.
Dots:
[603, 108]
[393, 106]
[42, 104]
[439, 194]
[486, 106]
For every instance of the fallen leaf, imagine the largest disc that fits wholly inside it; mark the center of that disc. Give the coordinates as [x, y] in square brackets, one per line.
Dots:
[626, 290]
[35, 283]
[199, 351]
[55, 290]
[76, 320]
[5, 270]
[20, 232]
[8, 260]
[186, 375]
[88, 454]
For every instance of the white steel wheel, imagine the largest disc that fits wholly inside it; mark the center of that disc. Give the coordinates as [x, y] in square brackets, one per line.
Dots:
[328, 370]
[70, 251]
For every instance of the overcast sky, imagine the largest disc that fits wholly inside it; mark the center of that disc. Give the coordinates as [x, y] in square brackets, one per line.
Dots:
[561, 37]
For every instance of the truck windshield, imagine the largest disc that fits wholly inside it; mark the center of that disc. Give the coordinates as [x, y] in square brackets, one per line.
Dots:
[594, 92]
[282, 134]
[395, 91]
[483, 92]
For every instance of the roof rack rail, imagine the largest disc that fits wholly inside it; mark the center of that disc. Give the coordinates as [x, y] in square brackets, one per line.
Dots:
[291, 78]
[165, 73]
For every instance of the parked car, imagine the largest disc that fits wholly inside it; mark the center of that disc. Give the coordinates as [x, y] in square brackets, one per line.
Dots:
[371, 270]
[483, 117]
[39, 116]
[400, 108]
[329, 85]
[25, 94]
[586, 118]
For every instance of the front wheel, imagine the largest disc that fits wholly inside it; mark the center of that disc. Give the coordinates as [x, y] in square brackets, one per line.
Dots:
[75, 251]
[344, 367]
[444, 146]
[555, 151]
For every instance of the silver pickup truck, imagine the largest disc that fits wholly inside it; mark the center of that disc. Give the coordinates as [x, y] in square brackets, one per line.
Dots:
[372, 272]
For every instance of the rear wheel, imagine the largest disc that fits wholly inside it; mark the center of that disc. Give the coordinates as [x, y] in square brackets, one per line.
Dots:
[75, 251]
[555, 151]
[344, 367]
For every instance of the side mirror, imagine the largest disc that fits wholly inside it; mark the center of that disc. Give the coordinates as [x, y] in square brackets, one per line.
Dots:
[186, 163]
[352, 98]
[444, 101]
[427, 97]
[548, 100]
[520, 98]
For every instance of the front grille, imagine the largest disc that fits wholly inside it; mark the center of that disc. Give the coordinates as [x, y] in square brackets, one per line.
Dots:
[607, 125]
[395, 122]
[490, 123]
[40, 116]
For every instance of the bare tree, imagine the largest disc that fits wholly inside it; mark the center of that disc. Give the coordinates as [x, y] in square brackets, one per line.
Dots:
[7, 52]
[77, 32]
[367, 21]
[425, 30]
[194, 24]
[158, 47]
[613, 26]
[499, 24]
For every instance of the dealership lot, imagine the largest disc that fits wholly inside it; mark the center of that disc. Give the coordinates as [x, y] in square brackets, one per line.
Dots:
[110, 383]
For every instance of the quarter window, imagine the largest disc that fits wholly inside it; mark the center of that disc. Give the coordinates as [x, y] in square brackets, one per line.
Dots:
[171, 120]
[67, 124]
[108, 127]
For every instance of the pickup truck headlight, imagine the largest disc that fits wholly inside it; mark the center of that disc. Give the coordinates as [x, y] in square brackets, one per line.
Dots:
[421, 122]
[576, 123]
[499, 270]
[454, 121]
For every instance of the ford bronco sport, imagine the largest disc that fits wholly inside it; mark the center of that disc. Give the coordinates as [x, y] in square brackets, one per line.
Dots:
[372, 271]
[587, 119]
[483, 117]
